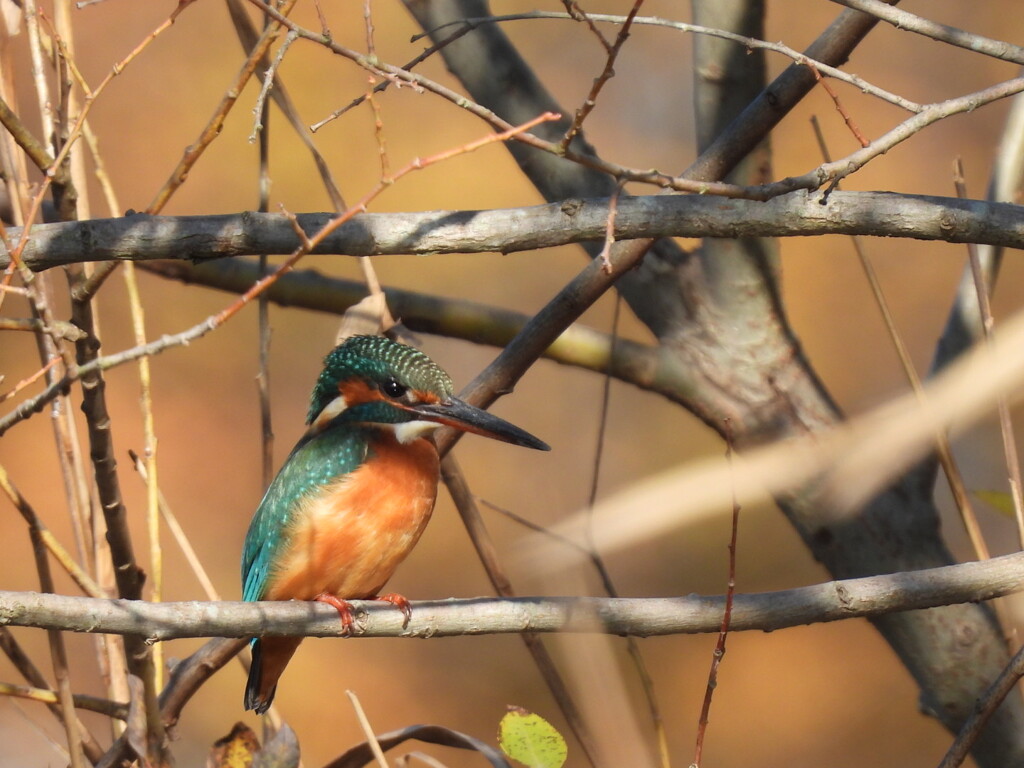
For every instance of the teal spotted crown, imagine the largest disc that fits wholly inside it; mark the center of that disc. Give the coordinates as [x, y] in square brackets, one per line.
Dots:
[377, 360]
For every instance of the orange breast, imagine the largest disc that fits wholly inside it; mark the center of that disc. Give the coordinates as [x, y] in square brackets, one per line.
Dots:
[349, 539]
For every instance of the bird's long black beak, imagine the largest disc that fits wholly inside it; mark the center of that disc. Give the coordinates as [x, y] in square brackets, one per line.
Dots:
[461, 415]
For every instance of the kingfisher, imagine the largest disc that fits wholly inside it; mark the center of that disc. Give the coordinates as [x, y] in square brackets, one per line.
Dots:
[356, 492]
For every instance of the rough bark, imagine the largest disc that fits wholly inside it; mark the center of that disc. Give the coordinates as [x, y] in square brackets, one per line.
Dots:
[799, 214]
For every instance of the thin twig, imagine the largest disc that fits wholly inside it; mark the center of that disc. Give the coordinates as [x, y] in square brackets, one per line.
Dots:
[263, 383]
[213, 128]
[499, 124]
[609, 234]
[21, 661]
[34, 149]
[263, 304]
[82, 579]
[59, 657]
[904, 20]
[205, 582]
[106, 707]
[983, 710]
[531, 525]
[723, 632]
[28, 380]
[63, 329]
[248, 35]
[830, 173]
[1002, 406]
[752, 43]
[384, 83]
[34, 206]
[37, 57]
[186, 678]
[606, 74]
[487, 552]
[814, 179]
[594, 554]
[576, 13]
[90, 99]
[175, 529]
[945, 450]
[156, 572]
[847, 118]
[79, 742]
[127, 574]
[268, 83]
[35, 404]
[323, 19]
[387, 320]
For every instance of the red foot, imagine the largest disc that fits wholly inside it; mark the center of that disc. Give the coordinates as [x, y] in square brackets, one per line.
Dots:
[400, 603]
[347, 616]
[343, 607]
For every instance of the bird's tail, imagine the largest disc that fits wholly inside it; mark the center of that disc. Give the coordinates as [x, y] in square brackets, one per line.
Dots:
[269, 658]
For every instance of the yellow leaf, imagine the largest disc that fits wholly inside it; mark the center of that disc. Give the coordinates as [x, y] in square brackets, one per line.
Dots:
[531, 740]
[236, 750]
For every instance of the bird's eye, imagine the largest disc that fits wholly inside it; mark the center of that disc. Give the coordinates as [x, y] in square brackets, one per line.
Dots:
[393, 389]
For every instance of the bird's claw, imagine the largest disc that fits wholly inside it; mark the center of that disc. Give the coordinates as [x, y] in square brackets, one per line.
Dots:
[347, 615]
[401, 604]
[344, 609]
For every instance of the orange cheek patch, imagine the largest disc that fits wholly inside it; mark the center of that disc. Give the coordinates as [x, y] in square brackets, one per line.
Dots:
[358, 391]
[426, 397]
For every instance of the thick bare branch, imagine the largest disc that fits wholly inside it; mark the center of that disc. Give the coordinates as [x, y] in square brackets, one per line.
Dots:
[649, 368]
[768, 611]
[799, 214]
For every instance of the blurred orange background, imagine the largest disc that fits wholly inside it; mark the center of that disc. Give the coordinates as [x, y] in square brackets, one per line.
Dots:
[827, 694]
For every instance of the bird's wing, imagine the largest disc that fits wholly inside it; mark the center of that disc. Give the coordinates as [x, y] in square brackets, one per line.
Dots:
[315, 461]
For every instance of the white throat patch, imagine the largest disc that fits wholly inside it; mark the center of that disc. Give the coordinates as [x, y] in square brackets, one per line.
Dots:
[408, 431]
[404, 433]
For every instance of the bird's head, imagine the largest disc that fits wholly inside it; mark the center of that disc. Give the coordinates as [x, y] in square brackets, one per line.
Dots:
[373, 380]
